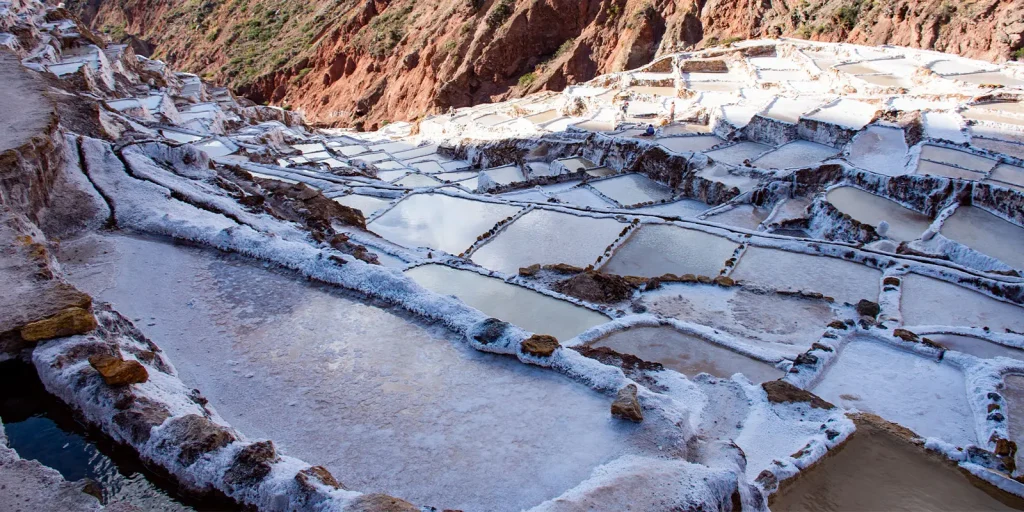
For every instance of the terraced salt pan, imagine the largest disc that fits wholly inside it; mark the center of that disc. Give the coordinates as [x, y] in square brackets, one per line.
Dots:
[880, 150]
[216, 148]
[505, 175]
[450, 224]
[771, 75]
[654, 91]
[739, 153]
[944, 126]
[543, 117]
[657, 249]
[520, 306]
[419, 153]
[693, 144]
[957, 158]
[548, 237]
[577, 164]
[927, 301]
[429, 166]
[714, 86]
[744, 216]
[685, 128]
[887, 80]
[950, 67]
[683, 208]
[600, 172]
[393, 147]
[784, 325]
[366, 204]
[739, 115]
[686, 354]
[989, 79]
[851, 114]
[582, 197]
[924, 395]
[789, 110]
[631, 189]
[491, 120]
[985, 114]
[724, 175]
[904, 224]
[417, 180]
[877, 470]
[929, 168]
[337, 382]
[389, 165]
[987, 234]
[843, 280]
[976, 346]
[596, 126]
[799, 153]
[1009, 174]
[999, 146]
[1013, 392]
[456, 175]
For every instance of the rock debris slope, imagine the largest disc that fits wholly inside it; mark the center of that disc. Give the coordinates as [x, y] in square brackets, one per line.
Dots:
[661, 289]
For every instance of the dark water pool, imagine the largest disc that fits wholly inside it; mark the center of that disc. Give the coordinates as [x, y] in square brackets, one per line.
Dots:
[41, 427]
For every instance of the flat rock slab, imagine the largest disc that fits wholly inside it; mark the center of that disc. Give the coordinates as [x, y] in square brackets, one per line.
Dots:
[26, 109]
[30, 293]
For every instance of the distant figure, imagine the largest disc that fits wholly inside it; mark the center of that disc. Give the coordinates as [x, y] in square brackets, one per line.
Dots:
[649, 131]
[625, 106]
[672, 113]
[451, 111]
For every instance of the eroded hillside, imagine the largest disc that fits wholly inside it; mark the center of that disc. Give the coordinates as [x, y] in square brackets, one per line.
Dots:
[349, 62]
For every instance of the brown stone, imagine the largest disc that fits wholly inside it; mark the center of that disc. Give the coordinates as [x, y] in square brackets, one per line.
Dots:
[597, 287]
[311, 477]
[380, 503]
[139, 417]
[906, 335]
[837, 324]
[117, 371]
[782, 392]
[868, 308]
[70, 321]
[724, 281]
[626, 405]
[891, 281]
[540, 345]
[194, 436]
[530, 271]
[252, 464]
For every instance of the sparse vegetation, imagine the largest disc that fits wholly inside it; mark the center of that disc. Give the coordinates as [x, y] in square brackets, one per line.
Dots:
[500, 13]
[1018, 55]
[527, 79]
[847, 15]
[384, 32]
[566, 46]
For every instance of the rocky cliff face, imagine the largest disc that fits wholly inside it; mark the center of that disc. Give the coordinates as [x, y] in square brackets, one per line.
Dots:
[364, 62]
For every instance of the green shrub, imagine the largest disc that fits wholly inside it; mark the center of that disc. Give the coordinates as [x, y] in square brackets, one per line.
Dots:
[500, 13]
[847, 15]
[527, 79]
[566, 47]
[1018, 55]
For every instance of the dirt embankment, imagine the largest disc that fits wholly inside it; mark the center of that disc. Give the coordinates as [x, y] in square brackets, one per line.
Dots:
[350, 61]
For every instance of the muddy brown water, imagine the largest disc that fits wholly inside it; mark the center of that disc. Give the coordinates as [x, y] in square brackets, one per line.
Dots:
[877, 470]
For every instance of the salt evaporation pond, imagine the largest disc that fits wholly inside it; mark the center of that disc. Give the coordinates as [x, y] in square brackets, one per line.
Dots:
[784, 324]
[632, 189]
[929, 168]
[694, 144]
[986, 233]
[976, 346]
[847, 114]
[683, 208]
[450, 224]
[877, 470]
[583, 198]
[918, 392]
[880, 150]
[928, 301]
[1013, 393]
[366, 204]
[744, 216]
[843, 280]
[686, 354]
[658, 249]
[523, 307]
[904, 224]
[800, 153]
[548, 237]
[957, 158]
[739, 153]
[337, 382]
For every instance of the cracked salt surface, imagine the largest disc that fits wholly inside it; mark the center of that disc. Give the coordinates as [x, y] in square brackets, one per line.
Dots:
[379, 399]
[926, 396]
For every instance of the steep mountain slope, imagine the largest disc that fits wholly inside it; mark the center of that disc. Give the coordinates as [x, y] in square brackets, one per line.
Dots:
[350, 62]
